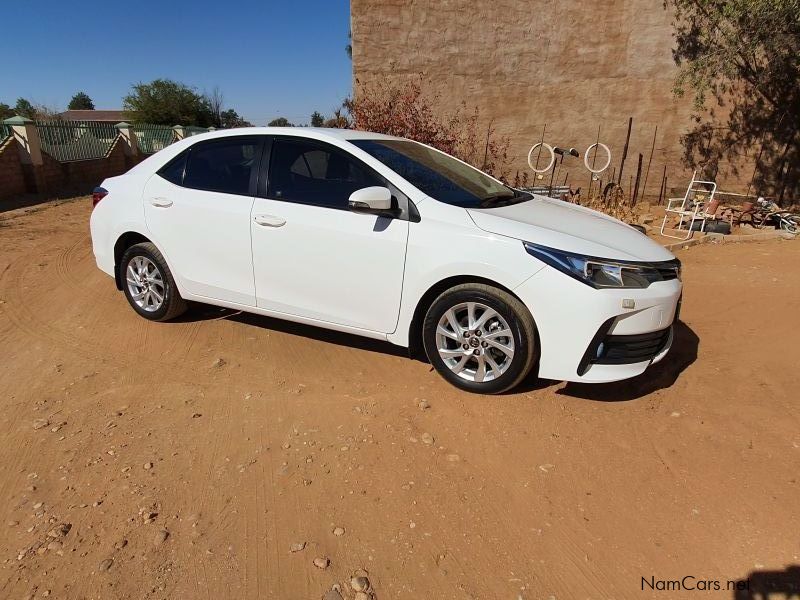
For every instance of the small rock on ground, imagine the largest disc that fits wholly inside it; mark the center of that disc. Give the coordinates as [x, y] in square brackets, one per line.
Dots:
[322, 562]
[338, 531]
[297, 547]
[359, 584]
[105, 565]
[160, 537]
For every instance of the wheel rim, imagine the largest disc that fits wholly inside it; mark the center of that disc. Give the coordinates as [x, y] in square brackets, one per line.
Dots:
[145, 283]
[789, 225]
[475, 342]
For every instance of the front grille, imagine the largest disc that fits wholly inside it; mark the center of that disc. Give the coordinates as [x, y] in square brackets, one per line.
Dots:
[668, 273]
[628, 349]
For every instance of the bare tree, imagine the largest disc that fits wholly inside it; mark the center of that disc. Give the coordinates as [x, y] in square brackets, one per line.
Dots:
[216, 100]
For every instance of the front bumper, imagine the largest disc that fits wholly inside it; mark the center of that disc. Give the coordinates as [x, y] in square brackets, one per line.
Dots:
[573, 319]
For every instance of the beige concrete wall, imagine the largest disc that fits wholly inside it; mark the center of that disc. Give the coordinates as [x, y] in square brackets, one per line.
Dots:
[571, 65]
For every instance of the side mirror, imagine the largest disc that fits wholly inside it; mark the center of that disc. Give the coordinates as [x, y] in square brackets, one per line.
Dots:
[375, 200]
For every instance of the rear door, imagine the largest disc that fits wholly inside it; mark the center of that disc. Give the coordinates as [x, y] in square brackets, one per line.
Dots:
[312, 256]
[198, 209]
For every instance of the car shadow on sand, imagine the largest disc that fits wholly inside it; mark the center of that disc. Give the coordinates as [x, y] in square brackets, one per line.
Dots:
[659, 376]
[207, 312]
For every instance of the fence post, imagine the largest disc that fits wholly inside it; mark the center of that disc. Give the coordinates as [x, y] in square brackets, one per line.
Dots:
[180, 131]
[27, 136]
[130, 143]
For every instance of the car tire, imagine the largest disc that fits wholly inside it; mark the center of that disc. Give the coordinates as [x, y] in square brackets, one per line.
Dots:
[145, 278]
[712, 226]
[457, 354]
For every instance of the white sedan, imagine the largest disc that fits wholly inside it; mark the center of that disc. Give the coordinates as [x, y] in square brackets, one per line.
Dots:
[391, 239]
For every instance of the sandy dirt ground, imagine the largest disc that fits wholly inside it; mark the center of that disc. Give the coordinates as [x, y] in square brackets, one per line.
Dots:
[188, 459]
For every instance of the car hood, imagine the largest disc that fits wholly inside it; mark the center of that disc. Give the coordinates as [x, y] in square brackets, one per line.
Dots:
[558, 224]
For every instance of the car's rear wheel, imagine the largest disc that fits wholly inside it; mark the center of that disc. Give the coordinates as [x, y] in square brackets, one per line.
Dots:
[480, 338]
[148, 283]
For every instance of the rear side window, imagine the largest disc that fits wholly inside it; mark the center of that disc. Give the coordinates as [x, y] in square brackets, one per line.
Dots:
[173, 170]
[312, 172]
[222, 166]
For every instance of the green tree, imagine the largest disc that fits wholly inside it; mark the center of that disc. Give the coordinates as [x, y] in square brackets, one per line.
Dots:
[280, 122]
[317, 120]
[167, 102]
[81, 101]
[741, 61]
[230, 119]
[6, 112]
[24, 108]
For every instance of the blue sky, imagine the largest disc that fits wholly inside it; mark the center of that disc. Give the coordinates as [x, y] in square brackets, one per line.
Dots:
[269, 58]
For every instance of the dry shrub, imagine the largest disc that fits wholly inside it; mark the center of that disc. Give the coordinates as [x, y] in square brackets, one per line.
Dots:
[615, 204]
[405, 110]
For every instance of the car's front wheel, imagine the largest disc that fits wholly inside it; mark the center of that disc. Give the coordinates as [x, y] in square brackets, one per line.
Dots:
[480, 338]
[148, 283]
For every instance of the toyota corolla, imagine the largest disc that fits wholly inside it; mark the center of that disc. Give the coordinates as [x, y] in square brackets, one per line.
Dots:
[391, 239]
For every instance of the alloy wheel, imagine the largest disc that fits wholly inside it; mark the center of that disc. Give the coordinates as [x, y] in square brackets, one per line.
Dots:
[475, 342]
[145, 283]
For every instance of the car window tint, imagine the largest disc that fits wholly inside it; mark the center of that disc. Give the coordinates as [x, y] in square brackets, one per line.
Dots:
[173, 170]
[439, 175]
[314, 173]
[222, 166]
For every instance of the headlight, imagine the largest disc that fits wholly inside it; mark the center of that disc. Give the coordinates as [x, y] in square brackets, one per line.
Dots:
[605, 273]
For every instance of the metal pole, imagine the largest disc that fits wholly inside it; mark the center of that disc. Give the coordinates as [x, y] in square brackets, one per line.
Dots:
[638, 175]
[649, 160]
[541, 141]
[594, 158]
[625, 150]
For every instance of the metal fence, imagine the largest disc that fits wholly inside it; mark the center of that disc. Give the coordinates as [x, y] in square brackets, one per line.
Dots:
[152, 138]
[76, 140]
[5, 132]
[193, 130]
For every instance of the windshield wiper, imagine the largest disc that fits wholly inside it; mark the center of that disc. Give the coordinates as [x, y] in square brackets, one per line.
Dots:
[488, 200]
[504, 199]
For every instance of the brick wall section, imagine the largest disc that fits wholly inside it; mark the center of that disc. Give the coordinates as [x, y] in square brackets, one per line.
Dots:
[57, 179]
[81, 177]
[12, 176]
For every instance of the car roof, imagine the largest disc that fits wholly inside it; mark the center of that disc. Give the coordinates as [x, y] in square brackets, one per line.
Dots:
[320, 133]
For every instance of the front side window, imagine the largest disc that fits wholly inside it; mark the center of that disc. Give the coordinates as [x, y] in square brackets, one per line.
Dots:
[222, 165]
[441, 176]
[311, 172]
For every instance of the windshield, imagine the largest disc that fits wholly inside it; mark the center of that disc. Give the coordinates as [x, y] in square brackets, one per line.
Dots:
[441, 176]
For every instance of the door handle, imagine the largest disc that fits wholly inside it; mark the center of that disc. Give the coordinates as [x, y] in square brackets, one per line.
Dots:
[161, 202]
[269, 221]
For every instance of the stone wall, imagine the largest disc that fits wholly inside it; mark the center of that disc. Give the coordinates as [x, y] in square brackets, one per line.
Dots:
[574, 67]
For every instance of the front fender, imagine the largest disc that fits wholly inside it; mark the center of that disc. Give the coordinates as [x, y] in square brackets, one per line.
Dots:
[439, 250]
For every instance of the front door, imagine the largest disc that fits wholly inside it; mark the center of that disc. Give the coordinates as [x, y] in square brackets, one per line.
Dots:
[198, 209]
[312, 256]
